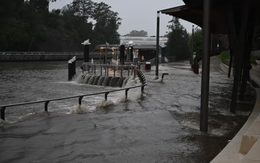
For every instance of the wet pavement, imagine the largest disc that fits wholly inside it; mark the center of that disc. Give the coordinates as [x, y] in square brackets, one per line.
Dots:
[161, 127]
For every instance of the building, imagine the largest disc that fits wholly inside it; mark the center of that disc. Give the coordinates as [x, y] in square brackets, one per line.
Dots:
[146, 46]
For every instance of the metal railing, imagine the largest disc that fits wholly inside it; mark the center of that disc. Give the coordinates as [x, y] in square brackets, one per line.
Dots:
[52, 53]
[80, 97]
[93, 67]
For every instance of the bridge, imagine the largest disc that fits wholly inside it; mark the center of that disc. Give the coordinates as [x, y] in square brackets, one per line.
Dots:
[48, 56]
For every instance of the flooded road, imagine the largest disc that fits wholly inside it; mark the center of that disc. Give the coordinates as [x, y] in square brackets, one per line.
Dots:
[161, 127]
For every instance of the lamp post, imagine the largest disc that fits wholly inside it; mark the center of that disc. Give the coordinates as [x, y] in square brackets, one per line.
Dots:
[157, 44]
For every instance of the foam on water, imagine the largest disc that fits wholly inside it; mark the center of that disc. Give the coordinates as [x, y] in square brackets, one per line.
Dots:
[26, 116]
[81, 109]
[105, 103]
[133, 94]
[92, 79]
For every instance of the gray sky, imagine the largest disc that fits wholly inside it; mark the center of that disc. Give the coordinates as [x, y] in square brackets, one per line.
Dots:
[137, 14]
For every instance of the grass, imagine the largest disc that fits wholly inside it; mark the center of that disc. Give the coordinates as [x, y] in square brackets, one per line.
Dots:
[225, 58]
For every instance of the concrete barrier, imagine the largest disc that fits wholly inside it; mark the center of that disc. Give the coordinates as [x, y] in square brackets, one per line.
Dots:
[245, 146]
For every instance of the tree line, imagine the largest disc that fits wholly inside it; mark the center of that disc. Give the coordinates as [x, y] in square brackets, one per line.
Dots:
[180, 41]
[30, 26]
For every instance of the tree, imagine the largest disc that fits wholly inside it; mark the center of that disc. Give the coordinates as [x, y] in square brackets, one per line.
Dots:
[177, 44]
[219, 41]
[135, 33]
[41, 4]
[28, 25]
[107, 24]
[82, 8]
[197, 41]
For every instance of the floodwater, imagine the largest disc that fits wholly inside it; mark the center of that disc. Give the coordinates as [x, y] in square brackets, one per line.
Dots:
[33, 81]
[161, 127]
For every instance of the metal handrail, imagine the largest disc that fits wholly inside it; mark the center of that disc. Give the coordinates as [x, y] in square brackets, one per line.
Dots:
[46, 102]
[49, 53]
[108, 65]
[88, 65]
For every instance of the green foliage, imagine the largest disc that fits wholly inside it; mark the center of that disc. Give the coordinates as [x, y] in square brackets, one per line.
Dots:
[29, 25]
[219, 41]
[225, 57]
[253, 60]
[197, 41]
[177, 44]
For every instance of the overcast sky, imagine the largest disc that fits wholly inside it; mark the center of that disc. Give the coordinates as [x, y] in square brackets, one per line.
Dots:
[137, 14]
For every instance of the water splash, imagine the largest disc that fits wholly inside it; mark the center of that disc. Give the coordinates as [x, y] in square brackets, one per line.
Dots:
[105, 103]
[125, 81]
[92, 79]
[81, 109]
[86, 79]
[114, 81]
[100, 82]
[107, 81]
[133, 94]
[96, 80]
[80, 78]
[23, 117]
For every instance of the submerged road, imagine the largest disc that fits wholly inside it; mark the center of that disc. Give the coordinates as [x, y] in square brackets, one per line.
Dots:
[161, 127]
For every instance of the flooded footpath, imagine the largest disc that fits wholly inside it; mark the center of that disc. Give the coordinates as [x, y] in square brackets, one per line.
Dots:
[161, 127]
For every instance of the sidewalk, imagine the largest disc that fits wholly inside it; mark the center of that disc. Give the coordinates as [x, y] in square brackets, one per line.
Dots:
[245, 146]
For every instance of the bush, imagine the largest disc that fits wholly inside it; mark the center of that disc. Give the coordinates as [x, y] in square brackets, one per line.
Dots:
[253, 58]
[225, 57]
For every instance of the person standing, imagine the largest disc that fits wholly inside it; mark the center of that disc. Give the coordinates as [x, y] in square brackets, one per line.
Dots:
[135, 57]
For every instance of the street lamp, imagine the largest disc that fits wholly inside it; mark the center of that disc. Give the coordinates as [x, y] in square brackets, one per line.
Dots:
[157, 45]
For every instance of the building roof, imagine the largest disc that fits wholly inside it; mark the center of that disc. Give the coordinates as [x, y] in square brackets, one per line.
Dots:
[145, 47]
[143, 40]
[193, 12]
